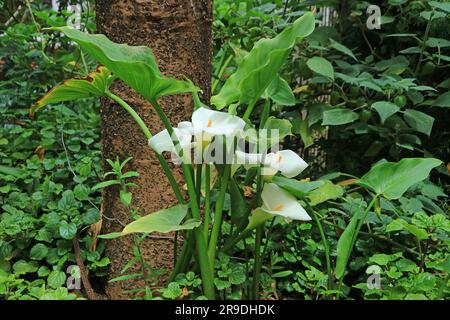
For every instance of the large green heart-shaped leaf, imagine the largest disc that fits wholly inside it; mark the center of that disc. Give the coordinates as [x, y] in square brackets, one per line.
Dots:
[261, 65]
[94, 85]
[135, 65]
[165, 220]
[393, 179]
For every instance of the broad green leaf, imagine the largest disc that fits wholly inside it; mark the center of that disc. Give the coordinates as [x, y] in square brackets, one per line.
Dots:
[94, 85]
[402, 225]
[419, 121]
[261, 65]
[393, 179]
[444, 6]
[382, 259]
[321, 66]
[306, 133]
[280, 92]
[22, 267]
[67, 230]
[327, 191]
[443, 100]
[165, 220]
[10, 171]
[56, 279]
[385, 109]
[297, 188]
[386, 19]
[173, 291]
[335, 117]
[344, 247]
[406, 265]
[135, 65]
[340, 47]
[437, 43]
[39, 251]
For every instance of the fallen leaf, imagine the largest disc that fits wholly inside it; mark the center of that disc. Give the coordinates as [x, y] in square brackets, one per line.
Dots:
[40, 151]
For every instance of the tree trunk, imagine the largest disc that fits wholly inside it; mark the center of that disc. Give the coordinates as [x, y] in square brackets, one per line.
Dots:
[179, 33]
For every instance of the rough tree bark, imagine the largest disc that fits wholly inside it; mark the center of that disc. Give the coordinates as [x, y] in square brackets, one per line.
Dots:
[179, 33]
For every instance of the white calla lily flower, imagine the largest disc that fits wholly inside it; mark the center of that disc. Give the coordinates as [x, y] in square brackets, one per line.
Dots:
[287, 162]
[204, 126]
[162, 141]
[210, 123]
[279, 202]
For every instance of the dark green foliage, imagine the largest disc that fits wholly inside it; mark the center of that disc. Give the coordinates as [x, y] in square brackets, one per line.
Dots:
[47, 165]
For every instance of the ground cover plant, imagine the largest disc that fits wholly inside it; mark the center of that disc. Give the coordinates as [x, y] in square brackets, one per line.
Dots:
[317, 170]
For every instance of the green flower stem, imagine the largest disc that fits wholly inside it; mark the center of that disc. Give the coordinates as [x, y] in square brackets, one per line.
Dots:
[221, 72]
[258, 261]
[206, 269]
[324, 243]
[249, 110]
[268, 235]
[259, 234]
[423, 42]
[265, 114]
[185, 254]
[198, 183]
[207, 198]
[148, 135]
[218, 214]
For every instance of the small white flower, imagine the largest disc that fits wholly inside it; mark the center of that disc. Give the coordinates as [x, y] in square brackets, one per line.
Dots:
[287, 162]
[279, 202]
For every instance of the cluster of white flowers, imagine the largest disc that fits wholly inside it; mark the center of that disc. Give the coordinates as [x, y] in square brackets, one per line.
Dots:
[207, 124]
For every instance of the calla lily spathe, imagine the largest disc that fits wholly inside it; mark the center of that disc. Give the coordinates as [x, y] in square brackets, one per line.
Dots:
[213, 123]
[287, 162]
[279, 202]
[208, 123]
[162, 141]
[204, 126]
